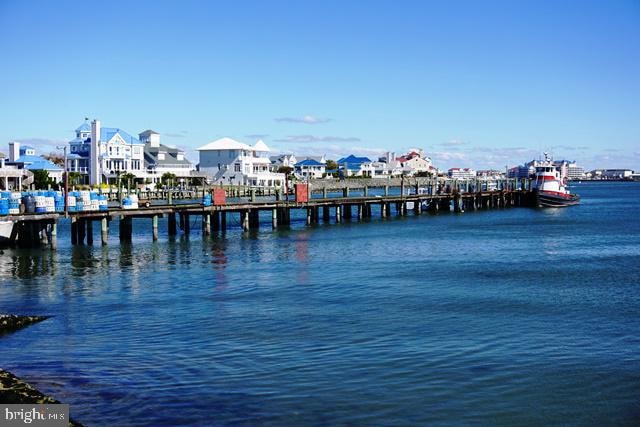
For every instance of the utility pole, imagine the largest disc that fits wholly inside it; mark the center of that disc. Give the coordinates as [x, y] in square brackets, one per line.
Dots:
[66, 181]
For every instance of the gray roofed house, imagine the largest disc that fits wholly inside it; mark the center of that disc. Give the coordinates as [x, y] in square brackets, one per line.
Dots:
[160, 159]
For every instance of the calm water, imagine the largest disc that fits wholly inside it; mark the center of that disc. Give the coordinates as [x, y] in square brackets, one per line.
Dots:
[517, 317]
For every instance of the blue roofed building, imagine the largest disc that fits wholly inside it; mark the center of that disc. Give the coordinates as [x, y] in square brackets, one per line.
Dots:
[352, 165]
[24, 157]
[309, 169]
[100, 154]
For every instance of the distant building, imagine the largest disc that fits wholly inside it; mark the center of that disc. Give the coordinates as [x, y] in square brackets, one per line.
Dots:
[24, 157]
[160, 159]
[490, 173]
[229, 161]
[617, 173]
[461, 173]
[574, 171]
[282, 160]
[352, 165]
[309, 169]
[99, 154]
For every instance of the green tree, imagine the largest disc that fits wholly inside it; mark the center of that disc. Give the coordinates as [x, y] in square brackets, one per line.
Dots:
[287, 170]
[168, 179]
[41, 179]
[127, 179]
[74, 178]
[331, 165]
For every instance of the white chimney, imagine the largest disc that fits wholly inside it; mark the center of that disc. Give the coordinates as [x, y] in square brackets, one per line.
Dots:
[14, 151]
[94, 162]
[154, 140]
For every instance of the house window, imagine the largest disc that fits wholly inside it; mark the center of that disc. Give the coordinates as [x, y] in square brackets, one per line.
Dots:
[237, 167]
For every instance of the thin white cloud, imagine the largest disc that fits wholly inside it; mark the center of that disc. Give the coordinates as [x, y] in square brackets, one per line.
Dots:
[308, 119]
[257, 136]
[313, 139]
[333, 151]
[44, 145]
[453, 143]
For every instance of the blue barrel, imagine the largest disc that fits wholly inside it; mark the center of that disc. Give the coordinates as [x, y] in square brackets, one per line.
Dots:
[29, 203]
[4, 206]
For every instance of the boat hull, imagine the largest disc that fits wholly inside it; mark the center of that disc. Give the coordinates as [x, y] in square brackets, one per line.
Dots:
[545, 199]
[6, 228]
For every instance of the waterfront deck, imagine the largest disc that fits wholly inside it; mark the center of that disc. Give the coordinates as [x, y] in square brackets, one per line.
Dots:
[41, 229]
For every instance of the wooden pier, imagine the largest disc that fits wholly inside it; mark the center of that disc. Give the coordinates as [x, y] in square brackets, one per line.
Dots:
[41, 229]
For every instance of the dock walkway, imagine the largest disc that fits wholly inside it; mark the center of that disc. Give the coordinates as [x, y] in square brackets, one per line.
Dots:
[41, 229]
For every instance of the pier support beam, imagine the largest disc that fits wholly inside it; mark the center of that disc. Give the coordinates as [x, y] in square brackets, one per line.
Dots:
[206, 224]
[338, 214]
[171, 224]
[186, 223]
[82, 231]
[126, 228]
[89, 232]
[154, 228]
[216, 221]
[347, 212]
[104, 231]
[244, 215]
[223, 221]
[74, 230]
[254, 219]
[274, 218]
[54, 235]
[326, 214]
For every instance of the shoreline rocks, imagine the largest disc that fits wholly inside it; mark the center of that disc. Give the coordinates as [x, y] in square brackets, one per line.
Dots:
[12, 388]
[10, 322]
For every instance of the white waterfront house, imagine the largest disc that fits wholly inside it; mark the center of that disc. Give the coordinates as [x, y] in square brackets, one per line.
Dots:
[228, 161]
[310, 169]
[282, 160]
[102, 153]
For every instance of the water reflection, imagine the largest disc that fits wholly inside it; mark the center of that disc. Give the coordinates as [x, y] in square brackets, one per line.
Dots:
[27, 264]
[219, 261]
[302, 256]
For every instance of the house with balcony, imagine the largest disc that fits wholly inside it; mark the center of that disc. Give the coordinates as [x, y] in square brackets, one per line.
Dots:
[160, 159]
[227, 161]
[354, 166]
[309, 169]
[100, 154]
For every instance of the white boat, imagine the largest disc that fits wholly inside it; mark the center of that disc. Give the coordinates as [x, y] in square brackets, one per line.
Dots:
[6, 227]
[550, 188]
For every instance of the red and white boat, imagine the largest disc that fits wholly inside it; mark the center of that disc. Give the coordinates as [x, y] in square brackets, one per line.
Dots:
[550, 187]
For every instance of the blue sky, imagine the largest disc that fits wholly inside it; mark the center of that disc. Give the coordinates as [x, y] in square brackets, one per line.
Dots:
[482, 84]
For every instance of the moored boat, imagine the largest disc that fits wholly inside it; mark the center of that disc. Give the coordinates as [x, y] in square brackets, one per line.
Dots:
[6, 228]
[550, 187]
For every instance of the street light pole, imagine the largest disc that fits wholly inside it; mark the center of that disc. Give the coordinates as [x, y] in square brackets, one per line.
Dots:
[66, 182]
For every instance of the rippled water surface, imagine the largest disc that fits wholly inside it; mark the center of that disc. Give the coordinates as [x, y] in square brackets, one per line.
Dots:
[516, 316]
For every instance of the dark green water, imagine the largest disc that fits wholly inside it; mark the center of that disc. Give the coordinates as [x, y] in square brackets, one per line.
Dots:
[508, 317]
